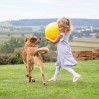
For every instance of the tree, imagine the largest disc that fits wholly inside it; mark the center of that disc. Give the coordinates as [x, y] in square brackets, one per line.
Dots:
[9, 47]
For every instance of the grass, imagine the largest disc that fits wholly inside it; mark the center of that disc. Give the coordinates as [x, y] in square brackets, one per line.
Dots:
[14, 84]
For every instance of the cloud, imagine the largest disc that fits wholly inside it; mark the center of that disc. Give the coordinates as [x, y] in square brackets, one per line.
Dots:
[22, 9]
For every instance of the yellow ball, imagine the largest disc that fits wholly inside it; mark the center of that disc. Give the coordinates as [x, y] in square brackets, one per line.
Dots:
[51, 30]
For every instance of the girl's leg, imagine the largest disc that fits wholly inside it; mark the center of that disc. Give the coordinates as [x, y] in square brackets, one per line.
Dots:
[70, 70]
[57, 71]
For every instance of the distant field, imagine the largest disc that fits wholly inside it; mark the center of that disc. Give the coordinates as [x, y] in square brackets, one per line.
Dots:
[17, 33]
[14, 84]
[5, 38]
[8, 24]
[84, 43]
[87, 40]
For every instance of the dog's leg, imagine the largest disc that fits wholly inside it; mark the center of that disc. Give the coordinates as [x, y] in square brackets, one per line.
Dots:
[32, 67]
[24, 57]
[41, 67]
[27, 75]
[29, 71]
[39, 61]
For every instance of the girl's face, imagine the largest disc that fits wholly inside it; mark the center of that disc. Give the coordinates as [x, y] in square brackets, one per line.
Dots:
[61, 28]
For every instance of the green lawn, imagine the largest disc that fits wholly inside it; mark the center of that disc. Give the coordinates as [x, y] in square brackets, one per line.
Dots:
[14, 84]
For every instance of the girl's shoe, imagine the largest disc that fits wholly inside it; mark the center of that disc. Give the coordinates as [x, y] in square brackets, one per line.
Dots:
[52, 79]
[75, 78]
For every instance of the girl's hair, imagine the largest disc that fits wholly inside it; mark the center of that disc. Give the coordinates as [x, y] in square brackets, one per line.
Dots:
[65, 23]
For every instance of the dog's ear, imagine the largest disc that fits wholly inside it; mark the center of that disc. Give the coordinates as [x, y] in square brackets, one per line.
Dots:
[26, 39]
[33, 39]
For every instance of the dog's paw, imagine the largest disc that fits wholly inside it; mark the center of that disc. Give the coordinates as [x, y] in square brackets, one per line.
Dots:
[33, 80]
[27, 75]
[44, 84]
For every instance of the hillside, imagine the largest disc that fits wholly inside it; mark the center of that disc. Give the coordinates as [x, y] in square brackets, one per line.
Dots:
[44, 22]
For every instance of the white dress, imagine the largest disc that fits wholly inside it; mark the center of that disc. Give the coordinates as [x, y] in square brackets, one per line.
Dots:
[65, 57]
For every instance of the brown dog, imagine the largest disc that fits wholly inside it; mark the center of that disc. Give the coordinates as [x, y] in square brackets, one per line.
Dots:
[31, 55]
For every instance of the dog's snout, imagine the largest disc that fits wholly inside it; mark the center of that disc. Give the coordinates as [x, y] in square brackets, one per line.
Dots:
[39, 40]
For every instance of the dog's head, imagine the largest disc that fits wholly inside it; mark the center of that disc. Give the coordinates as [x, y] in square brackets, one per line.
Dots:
[33, 40]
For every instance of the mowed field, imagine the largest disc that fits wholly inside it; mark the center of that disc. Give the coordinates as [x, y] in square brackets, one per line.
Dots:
[14, 84]
[84, 43]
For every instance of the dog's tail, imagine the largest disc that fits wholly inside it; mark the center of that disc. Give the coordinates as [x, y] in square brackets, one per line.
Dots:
[43, 50]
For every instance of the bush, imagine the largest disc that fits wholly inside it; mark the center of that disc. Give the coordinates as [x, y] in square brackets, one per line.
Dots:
[4, 59]
[17, 56]
[14, 58]
[50, 57]
[9, 47]
[97, 36]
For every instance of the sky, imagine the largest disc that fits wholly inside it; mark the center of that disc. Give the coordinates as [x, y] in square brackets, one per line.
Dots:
[35, 9]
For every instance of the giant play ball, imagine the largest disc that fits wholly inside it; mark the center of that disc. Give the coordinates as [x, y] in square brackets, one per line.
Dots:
[51, 30]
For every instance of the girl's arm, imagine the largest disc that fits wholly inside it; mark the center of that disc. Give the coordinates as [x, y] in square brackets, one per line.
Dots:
[56, 40]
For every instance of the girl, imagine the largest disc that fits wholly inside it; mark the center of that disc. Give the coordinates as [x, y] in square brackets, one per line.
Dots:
[65, 58]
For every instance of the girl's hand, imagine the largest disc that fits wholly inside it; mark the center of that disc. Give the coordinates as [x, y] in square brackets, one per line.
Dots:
[55, 40]
[47, 38]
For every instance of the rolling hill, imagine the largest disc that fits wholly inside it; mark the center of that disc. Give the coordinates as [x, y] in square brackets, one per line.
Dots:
[44, 22]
